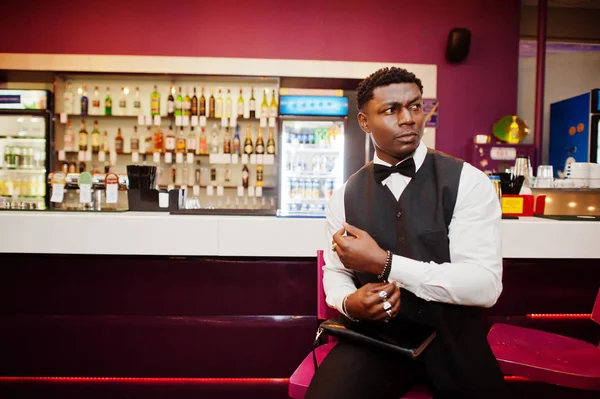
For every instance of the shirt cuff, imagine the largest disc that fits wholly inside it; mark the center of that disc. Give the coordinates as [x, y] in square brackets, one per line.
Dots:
[408, 272]
[336, 299]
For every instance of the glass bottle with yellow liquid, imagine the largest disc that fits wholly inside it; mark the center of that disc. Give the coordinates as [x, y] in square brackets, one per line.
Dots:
[260, 145]
[248, 147]
[271, 142]
[83, 137]
[96, 138]
[180, 143]
[159, 140]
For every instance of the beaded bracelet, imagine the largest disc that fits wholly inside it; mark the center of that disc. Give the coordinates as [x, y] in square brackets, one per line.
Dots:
[387, 268]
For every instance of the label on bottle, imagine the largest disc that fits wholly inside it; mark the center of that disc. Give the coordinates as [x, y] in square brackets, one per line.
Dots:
[240, 110]
[260, 149]
[170, 106]
[58, 193]
[96, 140]
[84, 105]
[187, 105]
[135, 144]
[137, 104]
[271, 149]
[122, 104]
[68, 103]
[178, 104]
[273, 112]
[170, 143]
[252, 105]
[96, 104]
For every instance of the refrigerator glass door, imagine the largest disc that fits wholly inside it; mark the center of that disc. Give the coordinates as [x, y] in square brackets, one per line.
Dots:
[312, 162]
[22, 161]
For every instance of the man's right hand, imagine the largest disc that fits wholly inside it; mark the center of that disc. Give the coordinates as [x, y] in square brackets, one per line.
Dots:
[367, 304]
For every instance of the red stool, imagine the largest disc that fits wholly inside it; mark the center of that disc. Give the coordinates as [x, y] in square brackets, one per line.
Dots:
[547, 357]
[300, 380]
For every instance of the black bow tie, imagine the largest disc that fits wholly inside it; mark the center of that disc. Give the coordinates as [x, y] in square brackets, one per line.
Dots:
[406, 168]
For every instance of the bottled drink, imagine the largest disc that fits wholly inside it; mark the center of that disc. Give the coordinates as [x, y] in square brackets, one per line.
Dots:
[187, 103]
[191, 141]
[227, 142]
[105, 145]
[240, 105]
[170, 141]
[159, 140]
[273, 106]
[84, 101]
[197, 174]
[228, 105]
[180, 142]
[236, 140]
[194, 103]
[245, 176]
[148, 142]
[271, 142]
[179, 103]
[69, 138]
[219, 105]
[211, 104]
[137, 102]
[264, 107]
[123, 101]
[108, 103]
[134, 141]
[260, 145]
[248, 147]
[83, 137]
[171, 102]
[119, 142]
[202, 148]
[259, 175]
[96, 138]
[214, 140]
[68, 99]
[155, 102]
[96, 110]
[202, 104]
[252, 104]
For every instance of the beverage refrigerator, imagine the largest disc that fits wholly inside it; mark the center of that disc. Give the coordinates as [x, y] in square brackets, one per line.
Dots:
[311, 152]
[26, 121]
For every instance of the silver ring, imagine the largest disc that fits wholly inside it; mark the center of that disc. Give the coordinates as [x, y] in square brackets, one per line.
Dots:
[389, 312]
[387, 306]
[383, 295]
[333, 246]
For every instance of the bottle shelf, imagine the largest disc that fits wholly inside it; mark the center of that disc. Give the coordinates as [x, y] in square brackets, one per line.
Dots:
[308, 175]
[299, 148]
[215, 120]
[162, 186]
[12, 137]
[32, 171]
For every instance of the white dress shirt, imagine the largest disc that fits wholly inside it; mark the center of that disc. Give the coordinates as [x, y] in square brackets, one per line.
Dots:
[474, 274]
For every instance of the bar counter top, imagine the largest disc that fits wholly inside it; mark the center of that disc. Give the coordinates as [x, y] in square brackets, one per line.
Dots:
[148, 233]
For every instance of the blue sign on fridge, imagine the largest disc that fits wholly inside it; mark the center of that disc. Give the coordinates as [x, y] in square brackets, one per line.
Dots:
[313, 106]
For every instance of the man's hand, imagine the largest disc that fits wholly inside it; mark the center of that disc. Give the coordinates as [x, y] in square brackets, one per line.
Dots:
[367, 304]
[358, 250]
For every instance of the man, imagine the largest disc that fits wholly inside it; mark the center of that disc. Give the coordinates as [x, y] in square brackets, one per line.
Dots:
[430, 225]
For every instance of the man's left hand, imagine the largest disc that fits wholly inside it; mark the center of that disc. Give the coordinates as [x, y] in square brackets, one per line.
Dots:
[358, 250]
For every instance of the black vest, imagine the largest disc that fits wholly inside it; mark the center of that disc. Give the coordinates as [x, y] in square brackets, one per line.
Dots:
[416, 226]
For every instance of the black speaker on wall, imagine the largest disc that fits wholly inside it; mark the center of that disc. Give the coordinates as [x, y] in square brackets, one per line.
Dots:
[459, 41]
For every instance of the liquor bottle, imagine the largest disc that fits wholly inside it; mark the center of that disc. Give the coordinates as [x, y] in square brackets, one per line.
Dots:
[137, 102]
[213, 173]
[248, 147]
[105, 143]
[108, 103]
[82, 167]
[148, 142]
[84, 101]
[194, 103]
[69, 138]
[191, 141]
[96, 138]
[202, 142]
[179, 103]
[180, 142]
[119, 142]
[155, 102]
[187, 103]
[228, 105]
[96, 102]
[260, 145]
[171, 102]
[202, 105]
[170, 141]
[123, 101]
[259, 175]
[236, 140]
[240, 106]
[214, 140]
[245, 176]
[159, 140]
[264, 106]
[227, 173]
[68, 99]
[273, 106]
[83, 137]
[252, 104]
[134, 141]
[271, 142]
[211, 104]
[219, 105]
[227, 142]
[197, 174]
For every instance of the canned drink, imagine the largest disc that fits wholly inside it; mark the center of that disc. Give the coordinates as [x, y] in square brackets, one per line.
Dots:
[497, 186]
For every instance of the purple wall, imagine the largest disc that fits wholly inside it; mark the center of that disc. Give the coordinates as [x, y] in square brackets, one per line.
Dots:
[473, 95]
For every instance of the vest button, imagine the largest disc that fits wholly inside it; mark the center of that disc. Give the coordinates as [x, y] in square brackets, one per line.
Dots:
[401, 239]
[399, 214]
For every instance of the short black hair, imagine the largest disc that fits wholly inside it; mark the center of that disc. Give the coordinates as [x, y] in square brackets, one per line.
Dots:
[383, 77]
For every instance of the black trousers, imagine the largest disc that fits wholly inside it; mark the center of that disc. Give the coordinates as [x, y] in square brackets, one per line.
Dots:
[355, 371]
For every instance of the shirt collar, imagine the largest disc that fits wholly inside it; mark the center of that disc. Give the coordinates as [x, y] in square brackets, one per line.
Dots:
[418, 156]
